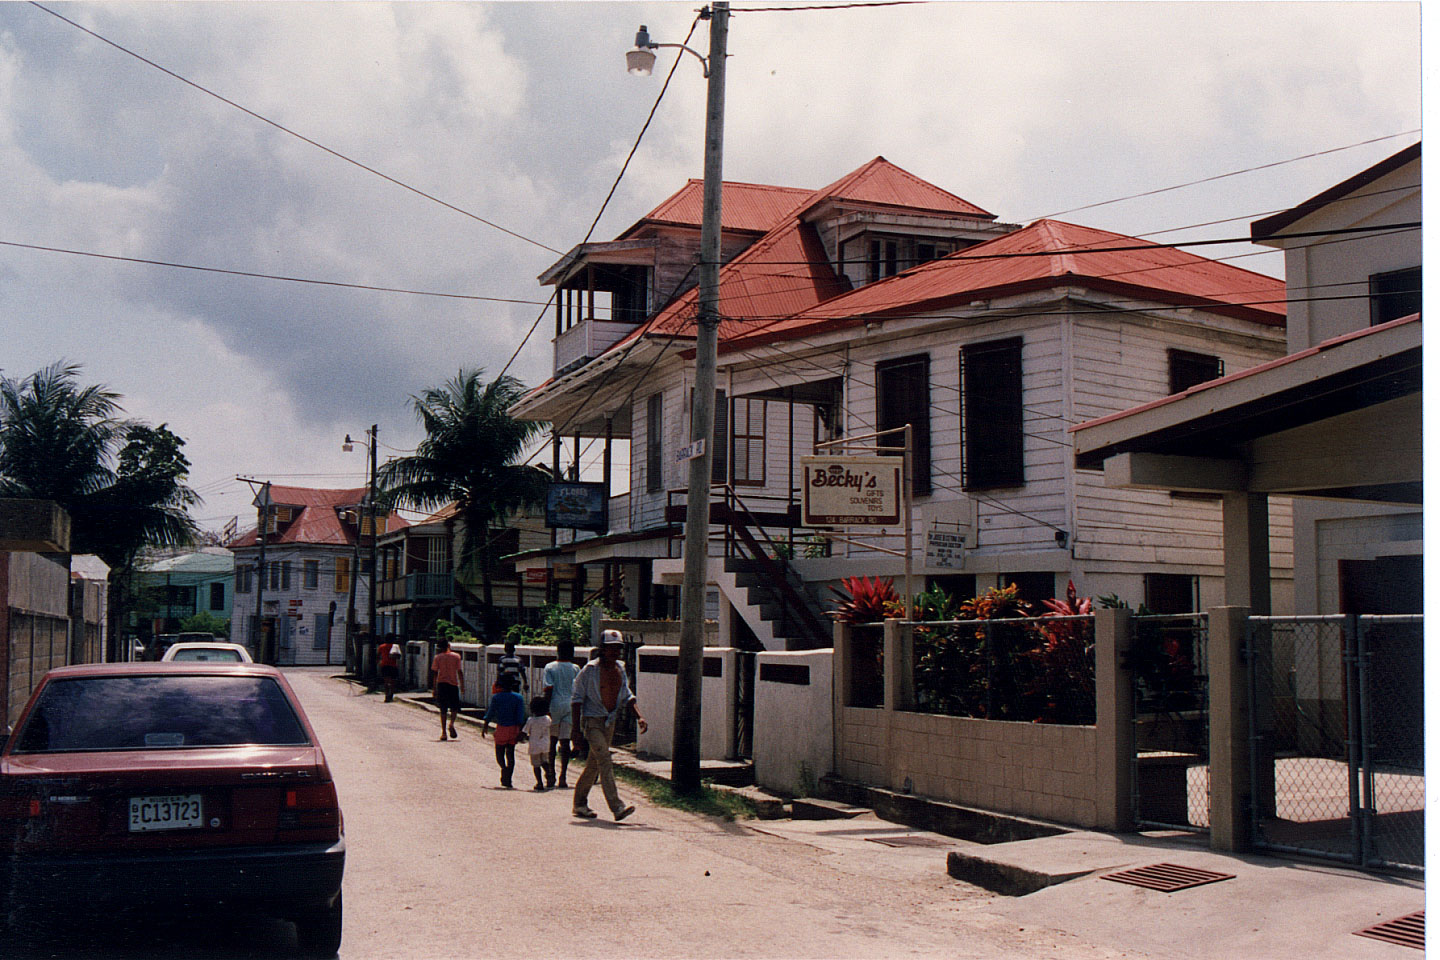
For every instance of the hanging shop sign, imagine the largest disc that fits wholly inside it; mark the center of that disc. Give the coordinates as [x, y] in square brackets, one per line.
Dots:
[577, 506]
[850, 491]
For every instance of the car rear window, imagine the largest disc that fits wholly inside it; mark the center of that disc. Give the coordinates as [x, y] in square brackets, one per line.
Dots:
[159, 712]
[212, 656]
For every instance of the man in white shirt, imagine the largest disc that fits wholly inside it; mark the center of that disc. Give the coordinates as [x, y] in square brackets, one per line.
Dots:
[602, 691]
[559, 684]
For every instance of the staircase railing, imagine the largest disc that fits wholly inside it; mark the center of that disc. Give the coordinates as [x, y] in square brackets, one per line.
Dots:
[772, 563]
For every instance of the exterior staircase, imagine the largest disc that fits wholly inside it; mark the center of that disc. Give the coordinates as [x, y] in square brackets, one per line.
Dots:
[771, 611]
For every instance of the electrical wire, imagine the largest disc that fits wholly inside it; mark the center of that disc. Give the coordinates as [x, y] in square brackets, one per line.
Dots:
[284, 129]
[259, 276]
[613, 186]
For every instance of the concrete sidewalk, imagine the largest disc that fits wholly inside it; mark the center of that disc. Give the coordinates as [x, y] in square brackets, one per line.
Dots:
[1270, 906]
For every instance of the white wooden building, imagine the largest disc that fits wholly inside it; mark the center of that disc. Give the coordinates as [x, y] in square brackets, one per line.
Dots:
[883, 300]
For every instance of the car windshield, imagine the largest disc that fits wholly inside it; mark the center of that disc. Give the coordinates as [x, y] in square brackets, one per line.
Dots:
[212, 654]
[159, 712]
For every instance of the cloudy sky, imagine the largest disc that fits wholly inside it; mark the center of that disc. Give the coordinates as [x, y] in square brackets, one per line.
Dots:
[520, 115]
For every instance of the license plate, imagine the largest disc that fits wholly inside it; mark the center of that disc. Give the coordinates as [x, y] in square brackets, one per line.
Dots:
[165, 813]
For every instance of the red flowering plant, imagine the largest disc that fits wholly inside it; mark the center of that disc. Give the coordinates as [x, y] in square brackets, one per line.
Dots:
[866, 600]
[1061, 685]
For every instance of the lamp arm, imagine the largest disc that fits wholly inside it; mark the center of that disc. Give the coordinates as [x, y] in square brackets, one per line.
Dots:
[704, 64]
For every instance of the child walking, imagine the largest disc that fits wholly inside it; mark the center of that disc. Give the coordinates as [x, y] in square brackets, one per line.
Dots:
[507, 710]
[537, 733]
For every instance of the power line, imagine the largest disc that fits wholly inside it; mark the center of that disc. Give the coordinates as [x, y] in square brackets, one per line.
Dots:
[284, 129]
[613, 186]
[1232, 173]
[260, 276]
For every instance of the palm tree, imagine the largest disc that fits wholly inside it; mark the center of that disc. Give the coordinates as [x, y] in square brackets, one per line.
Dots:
[121, 481]
[472, 457]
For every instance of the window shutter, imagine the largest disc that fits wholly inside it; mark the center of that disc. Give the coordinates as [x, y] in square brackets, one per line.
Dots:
[720, 441]
[991, 415]
[654, 441]
[902, 395]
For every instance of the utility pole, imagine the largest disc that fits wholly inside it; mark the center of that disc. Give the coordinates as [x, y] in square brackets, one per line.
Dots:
[685, 763]
[374, 530]
[259, 637]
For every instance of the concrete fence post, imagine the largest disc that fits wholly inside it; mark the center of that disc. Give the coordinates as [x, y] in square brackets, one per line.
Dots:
[1114, 721]
[899, 666]
[840, 667]
[1230, 787]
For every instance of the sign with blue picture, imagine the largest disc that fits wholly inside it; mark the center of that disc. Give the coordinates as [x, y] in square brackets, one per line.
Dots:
[577, 506]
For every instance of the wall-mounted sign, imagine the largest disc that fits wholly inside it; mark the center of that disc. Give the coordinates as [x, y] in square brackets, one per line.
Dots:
[850, 491]
[537, 577]
[944, 548]
[577, 506]
[565, 571]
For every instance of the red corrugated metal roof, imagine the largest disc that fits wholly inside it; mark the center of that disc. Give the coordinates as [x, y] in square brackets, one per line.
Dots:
[881, 182]
[318, 521]
[1047, 253]
[755, 207]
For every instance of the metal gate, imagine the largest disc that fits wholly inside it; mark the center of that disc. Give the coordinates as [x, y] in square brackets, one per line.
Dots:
[1169, 667]
[743, 744]
[1336, 714]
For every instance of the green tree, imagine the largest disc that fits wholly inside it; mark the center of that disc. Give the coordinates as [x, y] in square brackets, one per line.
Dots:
[121, 481]
[472, 456]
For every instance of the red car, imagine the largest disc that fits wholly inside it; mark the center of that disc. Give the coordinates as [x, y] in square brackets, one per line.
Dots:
[194, 785]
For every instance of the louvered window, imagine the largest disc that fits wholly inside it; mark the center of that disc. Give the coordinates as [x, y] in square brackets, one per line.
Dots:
[654, 450]
[342, 574]
[991, 415]
[748, 442]
[902, 395]
[1394, 295]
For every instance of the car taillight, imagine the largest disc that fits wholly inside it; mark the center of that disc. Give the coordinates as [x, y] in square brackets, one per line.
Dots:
[19, 808]
[312, 808]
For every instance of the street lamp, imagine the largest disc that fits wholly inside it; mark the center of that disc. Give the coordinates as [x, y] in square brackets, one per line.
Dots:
[367, 507]
[685, 757]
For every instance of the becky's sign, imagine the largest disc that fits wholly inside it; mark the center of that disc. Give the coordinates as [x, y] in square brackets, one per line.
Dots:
[851, 491]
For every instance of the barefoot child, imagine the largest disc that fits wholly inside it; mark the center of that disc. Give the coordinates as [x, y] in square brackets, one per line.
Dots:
[507, 709]
[537, 732]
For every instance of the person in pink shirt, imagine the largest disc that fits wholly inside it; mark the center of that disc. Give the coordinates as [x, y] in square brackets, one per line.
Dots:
[446, 676]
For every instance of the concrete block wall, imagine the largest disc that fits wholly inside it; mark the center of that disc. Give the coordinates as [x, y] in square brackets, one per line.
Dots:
[1030, 769]
[793, 744]
[655, 691]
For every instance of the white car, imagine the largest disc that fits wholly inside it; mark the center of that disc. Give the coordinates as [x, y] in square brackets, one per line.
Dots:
[212, 652]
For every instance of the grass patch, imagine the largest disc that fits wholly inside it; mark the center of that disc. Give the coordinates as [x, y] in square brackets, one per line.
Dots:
[710, 802]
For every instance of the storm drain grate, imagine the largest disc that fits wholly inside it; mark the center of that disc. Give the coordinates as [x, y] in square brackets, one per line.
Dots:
[908, 841]
[1168, 877]
[1407, 931]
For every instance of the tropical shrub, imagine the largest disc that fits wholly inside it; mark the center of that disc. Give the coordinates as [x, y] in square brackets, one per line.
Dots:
[866, 600]
[1062, 684]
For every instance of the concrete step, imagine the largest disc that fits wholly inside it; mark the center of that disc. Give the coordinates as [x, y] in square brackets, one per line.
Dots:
[814, 808]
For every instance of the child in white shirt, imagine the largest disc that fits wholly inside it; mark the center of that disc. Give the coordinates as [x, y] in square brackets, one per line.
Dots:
[537, 733]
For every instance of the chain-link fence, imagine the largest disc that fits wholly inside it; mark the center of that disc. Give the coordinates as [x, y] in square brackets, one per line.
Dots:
[1336, 758]
[1390, 682]
[1169, 664]
[1039, 669]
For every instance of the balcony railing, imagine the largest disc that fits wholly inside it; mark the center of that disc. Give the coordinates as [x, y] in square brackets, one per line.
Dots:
[586, 341]
[416, 588]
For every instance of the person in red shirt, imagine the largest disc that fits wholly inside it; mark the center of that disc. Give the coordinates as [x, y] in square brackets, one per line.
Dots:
[390, 665]
[446, 677]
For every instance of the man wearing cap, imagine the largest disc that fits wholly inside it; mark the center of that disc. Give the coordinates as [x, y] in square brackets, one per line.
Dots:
[601, 692]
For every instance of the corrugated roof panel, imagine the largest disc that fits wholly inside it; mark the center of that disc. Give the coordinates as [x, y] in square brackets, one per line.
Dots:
[880, 181]
[756, 207]
[1050, 251]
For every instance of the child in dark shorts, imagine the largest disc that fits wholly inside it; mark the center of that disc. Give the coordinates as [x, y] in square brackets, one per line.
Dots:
[507, 710]
[447, 675]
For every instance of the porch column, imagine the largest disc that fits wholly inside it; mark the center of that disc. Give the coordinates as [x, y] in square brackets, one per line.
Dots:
[1246, 518]
[1230, 787]
[1114, 721]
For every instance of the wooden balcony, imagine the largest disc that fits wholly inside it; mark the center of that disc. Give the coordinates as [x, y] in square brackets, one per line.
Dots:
[587, 340]
[417, 588]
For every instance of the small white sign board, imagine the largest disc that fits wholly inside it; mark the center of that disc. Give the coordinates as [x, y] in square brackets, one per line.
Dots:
[850, 491]
[691, 451]
[944, 548]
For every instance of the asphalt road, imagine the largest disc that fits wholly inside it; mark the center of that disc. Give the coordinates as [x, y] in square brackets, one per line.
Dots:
[443, 863]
